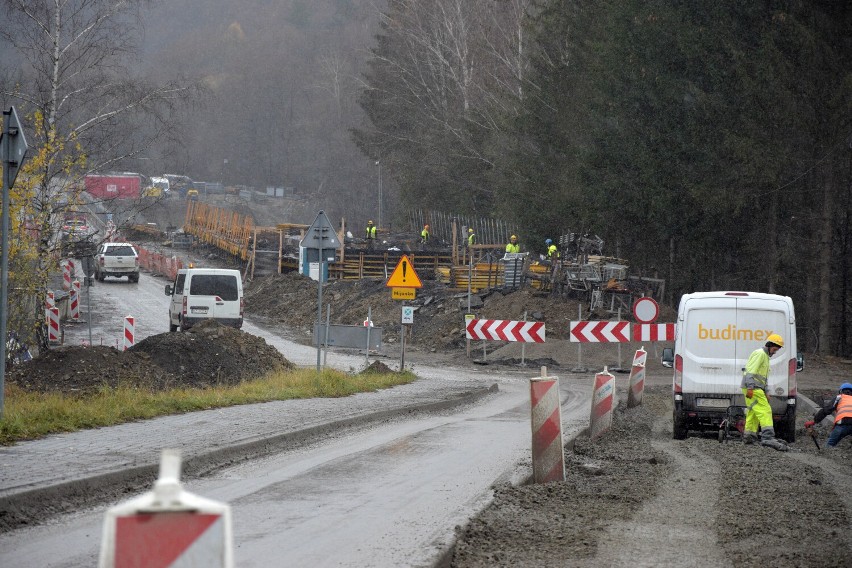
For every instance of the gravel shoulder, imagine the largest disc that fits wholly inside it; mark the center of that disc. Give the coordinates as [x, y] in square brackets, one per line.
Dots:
[636, 497]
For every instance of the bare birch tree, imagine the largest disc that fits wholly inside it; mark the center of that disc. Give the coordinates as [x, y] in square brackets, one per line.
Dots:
[84, 105]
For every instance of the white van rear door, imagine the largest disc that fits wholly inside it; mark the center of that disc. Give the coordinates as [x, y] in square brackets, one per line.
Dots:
[708, 350]
[757, 318]
[214, 296]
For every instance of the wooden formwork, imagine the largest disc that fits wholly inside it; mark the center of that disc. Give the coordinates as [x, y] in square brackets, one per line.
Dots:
[379, 265]
[222, 228]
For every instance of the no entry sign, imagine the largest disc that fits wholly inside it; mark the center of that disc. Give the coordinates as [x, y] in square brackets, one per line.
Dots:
[646, 310]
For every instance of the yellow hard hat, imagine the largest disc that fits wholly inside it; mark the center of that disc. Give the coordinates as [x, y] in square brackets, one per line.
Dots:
[470, 230]
[776, 339]
[370, 222]
[513, 238]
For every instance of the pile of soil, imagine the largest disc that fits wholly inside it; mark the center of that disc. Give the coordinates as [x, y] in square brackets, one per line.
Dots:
[209, 354]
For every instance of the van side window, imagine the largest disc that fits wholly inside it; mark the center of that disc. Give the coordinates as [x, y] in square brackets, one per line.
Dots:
[214, 285]
[181, 278]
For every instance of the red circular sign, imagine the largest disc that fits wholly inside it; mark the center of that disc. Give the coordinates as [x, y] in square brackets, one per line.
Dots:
[646, 310]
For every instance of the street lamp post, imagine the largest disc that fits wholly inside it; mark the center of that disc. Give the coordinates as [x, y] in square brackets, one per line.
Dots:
[379, 163]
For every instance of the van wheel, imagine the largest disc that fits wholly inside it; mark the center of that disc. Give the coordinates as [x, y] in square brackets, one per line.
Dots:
[787, 429]
[172, 327]
[679, 429]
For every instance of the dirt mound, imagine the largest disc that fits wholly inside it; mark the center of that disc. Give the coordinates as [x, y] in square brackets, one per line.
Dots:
[212, 354]
[209, 354]
[86, 369]
[378, 368]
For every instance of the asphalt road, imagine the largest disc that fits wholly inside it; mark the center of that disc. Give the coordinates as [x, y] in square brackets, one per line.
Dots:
[387, 493]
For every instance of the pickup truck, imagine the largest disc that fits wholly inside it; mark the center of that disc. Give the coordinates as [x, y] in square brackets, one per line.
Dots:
[117, 259]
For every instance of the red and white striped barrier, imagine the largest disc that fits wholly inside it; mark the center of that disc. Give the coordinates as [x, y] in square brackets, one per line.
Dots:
[654, 332]
[603, 401]
[129, 332]
[167, 527]
[506, 330]
[548, 455]
[600, 331]
[637, 378]
[66, 275]
[53, 325]
[50, 300]
[74, 302]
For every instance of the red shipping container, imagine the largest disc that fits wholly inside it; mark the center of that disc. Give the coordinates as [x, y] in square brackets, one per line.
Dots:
[114, 186]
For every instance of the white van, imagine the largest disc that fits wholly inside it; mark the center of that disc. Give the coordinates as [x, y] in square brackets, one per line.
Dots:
[204, 293]
[716, 333]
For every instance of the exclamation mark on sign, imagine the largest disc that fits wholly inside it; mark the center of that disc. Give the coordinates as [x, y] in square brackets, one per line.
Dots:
[404, 269]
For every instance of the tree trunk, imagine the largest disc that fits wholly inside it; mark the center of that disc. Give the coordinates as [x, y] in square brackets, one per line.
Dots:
[825, 257]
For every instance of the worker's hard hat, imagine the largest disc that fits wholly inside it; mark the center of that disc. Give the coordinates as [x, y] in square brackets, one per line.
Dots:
[513, 238]
[470, 230]
[370, 222]
[425, 226]
[775, 339]
[845, 386]
[548, 242]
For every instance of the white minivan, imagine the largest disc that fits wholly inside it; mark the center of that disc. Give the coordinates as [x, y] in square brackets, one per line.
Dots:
[716, 333]
[198, 294]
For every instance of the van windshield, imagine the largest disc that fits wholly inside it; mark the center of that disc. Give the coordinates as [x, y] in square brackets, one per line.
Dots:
[224, 286]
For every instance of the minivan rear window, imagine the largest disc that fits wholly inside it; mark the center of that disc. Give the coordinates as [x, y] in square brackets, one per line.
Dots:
[224, 286]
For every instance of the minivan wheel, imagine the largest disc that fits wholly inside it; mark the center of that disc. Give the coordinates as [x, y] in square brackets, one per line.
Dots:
[679, 429]
[172, 327]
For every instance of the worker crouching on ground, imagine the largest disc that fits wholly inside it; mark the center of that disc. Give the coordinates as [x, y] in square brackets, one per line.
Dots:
[758, 409]
[513, 245]
[841, 407]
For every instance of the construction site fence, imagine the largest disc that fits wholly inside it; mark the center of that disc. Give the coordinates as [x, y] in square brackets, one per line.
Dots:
[159, 264]
[223, 228]
[441, 225]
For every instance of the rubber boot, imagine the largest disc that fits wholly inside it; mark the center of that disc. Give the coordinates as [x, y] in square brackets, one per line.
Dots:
[768, 439]
[749, 437]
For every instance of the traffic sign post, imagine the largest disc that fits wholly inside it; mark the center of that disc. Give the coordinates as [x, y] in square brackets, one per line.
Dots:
[13, 151]
[167, 527]
[320, 236]
[403, 282]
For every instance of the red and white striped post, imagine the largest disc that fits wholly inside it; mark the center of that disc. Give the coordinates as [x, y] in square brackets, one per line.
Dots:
[548, 455]
[66, 275]
[603, 400]
[49, 302]
[129, 332]
[637, 378]
[74, 299]
[53, 325]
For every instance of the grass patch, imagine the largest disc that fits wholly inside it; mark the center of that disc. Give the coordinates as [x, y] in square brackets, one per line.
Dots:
[29, 415]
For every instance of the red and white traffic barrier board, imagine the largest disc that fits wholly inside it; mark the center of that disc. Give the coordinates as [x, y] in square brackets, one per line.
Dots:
[506, 330]
[637, 378]
[600, 331]
[50, 300]
[53, 324]
[603, 401]
[129, 332]
[548, 456]
[654, 332]
[167, 527]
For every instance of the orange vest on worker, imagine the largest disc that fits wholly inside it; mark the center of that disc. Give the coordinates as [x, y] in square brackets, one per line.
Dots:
[843, 409]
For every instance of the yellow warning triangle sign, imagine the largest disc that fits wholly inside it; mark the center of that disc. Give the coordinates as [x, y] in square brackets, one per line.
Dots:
[403, 276]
